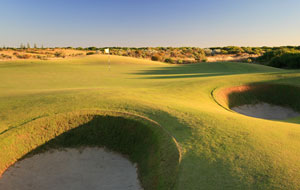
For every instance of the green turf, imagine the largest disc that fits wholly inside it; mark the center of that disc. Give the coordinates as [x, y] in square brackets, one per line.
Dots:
[220, 149]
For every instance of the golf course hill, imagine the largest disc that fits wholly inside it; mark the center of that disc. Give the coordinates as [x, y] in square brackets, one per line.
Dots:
[178, 124]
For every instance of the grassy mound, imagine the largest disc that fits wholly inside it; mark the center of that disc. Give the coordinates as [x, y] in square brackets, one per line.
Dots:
[144, 141]
[277, 94]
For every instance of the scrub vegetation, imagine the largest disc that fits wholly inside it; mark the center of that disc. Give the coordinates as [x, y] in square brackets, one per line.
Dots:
[286, 57]
[281, 57]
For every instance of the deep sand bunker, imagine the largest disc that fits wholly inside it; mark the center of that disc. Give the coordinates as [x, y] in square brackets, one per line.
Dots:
[142, 140]
[266, 111]
[267, 101]
[89, 169]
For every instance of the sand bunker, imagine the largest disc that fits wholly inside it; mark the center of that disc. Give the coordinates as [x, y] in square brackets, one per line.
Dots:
[88, 169]
[266, 111]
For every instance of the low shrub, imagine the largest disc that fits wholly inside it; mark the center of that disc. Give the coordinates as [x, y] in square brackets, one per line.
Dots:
[249, 60]
[4, 56]
[41, 57]
[90, 53]
[187, 61]
[78, 54]
[287, 60]
[92, 48]
[233, 49]
[269, 55]
[22, 56]
[180, 61]
[170, 60]
[156, 58]
[59, 54]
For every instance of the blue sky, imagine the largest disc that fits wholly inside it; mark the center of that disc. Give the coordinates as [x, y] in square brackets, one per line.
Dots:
[150, 22]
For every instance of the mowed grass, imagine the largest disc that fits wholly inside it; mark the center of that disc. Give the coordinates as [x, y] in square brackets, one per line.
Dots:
[220, 149]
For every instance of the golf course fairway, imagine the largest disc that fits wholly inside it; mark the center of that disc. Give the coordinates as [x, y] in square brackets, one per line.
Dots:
[174, 121]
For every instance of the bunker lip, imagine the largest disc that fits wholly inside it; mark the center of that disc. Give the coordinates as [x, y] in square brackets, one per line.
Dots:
[142, 140]
[261, 100]
[87, 168]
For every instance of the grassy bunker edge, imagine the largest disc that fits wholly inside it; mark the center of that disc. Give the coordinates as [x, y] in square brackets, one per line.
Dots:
[276, 94]
[144, 142]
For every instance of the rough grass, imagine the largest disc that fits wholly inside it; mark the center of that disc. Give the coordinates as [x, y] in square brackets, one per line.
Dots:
[220, 149]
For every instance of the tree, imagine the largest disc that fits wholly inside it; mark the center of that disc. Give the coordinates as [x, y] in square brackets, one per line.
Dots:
[92, 48]
[28, 46]
[35, 46]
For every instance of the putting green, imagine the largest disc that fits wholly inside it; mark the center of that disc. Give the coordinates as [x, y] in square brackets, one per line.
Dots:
[217, 148]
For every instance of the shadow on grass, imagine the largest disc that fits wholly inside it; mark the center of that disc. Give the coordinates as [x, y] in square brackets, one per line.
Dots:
[220, 174]
[285, 78]
[204, 70]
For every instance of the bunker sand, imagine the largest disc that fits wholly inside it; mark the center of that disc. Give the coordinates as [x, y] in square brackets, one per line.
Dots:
[266, 111]
[90, 168]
